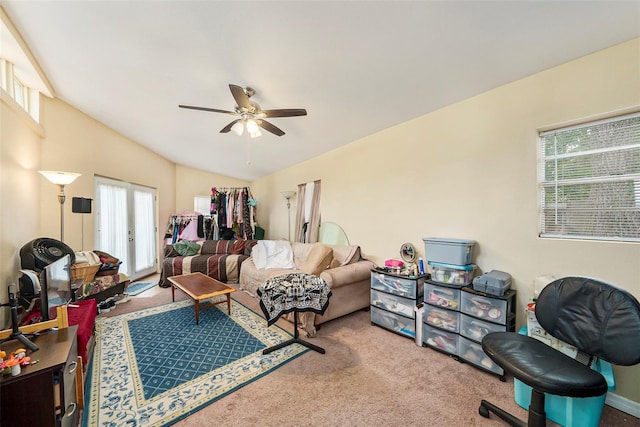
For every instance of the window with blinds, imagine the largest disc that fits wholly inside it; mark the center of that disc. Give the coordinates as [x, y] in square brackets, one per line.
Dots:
[589, 180]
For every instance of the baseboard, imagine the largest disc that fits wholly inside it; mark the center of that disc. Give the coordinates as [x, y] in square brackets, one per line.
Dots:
[623, 404]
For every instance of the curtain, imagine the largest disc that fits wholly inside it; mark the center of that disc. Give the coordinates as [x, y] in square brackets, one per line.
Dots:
[314, 219]
[308, 212]
[299, 234]
[113, 222]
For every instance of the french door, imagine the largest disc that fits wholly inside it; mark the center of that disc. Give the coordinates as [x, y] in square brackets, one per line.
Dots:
[125, 225]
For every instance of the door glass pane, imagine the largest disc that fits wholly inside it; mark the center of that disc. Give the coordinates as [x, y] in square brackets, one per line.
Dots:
[112, 222]
[145, 247]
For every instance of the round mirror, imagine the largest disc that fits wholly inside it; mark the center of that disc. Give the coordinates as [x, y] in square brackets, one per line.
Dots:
[408, 252]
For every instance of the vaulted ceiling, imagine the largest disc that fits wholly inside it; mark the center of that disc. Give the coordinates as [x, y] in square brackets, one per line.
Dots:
[358, 67]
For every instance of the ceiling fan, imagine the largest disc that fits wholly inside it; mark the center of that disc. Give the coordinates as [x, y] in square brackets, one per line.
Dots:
[251, 115]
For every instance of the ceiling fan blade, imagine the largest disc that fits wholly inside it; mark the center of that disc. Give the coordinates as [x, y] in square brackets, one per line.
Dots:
[228, 127]
[191, 107]
[241, 98]
[269, 127]
[285, 112]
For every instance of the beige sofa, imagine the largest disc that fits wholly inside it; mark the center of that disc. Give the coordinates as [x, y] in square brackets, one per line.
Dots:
[344, 270]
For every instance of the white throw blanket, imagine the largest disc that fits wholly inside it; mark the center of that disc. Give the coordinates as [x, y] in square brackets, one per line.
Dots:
[273, 254]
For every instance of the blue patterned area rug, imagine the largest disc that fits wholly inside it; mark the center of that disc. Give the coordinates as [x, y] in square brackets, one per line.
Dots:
[137, 288]
[156, 366]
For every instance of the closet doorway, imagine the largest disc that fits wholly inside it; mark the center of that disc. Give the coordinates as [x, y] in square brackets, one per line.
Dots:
[125, 225]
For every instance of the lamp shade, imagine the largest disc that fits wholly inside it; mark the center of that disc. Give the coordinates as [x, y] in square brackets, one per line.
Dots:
[238, 128]
[252, 126]
[60, 178]
[288, 194]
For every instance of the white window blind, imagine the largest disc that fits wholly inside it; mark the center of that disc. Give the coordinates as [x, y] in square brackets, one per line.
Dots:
[589, 180]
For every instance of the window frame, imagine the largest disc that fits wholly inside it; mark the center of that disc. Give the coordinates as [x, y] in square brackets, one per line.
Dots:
[558, 184]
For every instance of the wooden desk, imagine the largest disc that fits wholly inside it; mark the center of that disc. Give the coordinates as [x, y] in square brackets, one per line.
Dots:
[43, 394]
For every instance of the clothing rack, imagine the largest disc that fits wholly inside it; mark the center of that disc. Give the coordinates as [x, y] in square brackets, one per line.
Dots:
[188, 226]
[235, 209]
[227, 189]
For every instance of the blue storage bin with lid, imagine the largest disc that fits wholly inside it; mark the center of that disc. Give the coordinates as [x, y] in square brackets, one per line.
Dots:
[569, 411]
[448, 251]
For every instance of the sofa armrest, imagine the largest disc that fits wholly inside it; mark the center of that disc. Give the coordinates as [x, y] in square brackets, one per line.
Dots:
[347, 274]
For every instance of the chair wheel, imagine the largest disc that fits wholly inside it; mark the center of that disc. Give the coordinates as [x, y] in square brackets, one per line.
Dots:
[483, 411]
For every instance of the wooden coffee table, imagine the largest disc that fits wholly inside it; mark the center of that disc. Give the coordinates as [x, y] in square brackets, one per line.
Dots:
[201, 287]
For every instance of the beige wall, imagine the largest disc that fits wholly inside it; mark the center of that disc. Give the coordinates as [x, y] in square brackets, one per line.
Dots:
[70, 141]
[75, 142]
[19, 190]
[194, 182]
[469, 171]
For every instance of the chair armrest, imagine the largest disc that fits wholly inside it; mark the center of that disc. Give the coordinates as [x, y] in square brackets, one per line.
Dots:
[347, 274]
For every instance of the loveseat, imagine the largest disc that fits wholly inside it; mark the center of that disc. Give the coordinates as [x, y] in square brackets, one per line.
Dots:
[219, 259]
[344, 270]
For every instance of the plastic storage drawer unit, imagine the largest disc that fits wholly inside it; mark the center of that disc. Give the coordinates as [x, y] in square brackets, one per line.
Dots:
[440, 340]
[452, 274]
[569, 411]
[393, 322]
[491, 309]
[402, 286]
[472, 352]
[476, 329]
[393, 303]
[441, 318]
[448, 251]
[442, 296]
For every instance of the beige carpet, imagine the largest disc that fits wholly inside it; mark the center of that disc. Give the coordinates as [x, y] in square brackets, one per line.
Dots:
[367, 377]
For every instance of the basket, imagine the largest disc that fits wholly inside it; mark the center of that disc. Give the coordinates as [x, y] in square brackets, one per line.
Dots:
[84, 271]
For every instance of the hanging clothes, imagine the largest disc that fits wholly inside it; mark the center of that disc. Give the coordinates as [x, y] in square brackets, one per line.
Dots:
[235, 210]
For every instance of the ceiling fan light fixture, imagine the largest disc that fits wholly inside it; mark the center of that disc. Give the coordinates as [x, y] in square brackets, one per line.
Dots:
[250, 114]
[238, 128]
[252, 126]
[255, 134]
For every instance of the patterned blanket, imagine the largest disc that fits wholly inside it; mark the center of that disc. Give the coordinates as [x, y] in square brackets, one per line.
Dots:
[218, 259]
[293, 292]
[222, 267]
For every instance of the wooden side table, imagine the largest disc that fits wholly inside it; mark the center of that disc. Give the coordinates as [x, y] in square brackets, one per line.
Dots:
[200, 287]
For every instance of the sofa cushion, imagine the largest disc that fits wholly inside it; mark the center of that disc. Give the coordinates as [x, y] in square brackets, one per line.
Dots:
[318, 260]
[300, 252]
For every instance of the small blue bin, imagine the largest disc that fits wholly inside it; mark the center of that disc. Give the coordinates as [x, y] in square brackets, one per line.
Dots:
[569, 411]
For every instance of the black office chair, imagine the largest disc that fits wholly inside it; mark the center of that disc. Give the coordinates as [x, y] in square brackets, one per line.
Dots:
[599, 319]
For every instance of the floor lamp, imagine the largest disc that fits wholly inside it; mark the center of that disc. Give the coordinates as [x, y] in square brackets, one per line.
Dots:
[288, 195]
[60, 179]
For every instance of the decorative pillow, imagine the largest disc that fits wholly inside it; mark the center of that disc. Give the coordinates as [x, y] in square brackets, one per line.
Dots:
[105, 258]
[239, 246]
[318, 260]
[186, 248]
